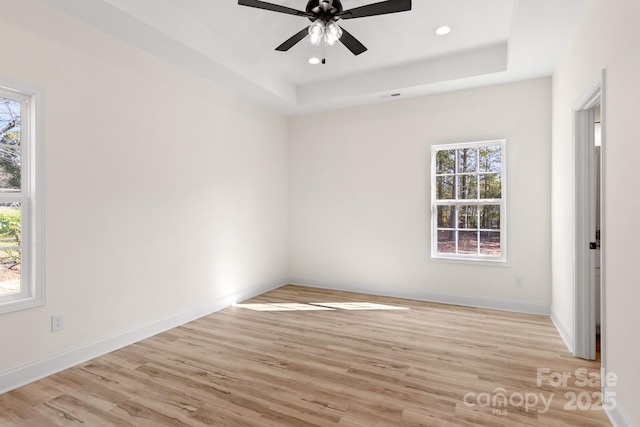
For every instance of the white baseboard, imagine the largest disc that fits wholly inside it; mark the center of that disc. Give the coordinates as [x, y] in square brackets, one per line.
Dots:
[26, 374]
[562, 330]
[454, 299]
[617, 416]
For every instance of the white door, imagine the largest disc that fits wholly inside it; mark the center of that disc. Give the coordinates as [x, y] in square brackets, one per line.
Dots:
[587, 215]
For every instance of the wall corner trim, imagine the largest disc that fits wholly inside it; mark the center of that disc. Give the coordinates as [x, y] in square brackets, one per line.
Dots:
[562, 330]
[23, 375]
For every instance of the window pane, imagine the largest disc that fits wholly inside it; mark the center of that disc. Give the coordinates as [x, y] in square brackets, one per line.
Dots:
[490, 217]
[447, 241]
[490, 186]
[490, 159]
[10, 225]
[468, 242]
[444, 187]
[468, 205]
[490, 243]
[10, 253]
[446, 216]
[467, 160]
[468, 217]
[10, 145]
[446, 161]
[468, 187]
[9, 271]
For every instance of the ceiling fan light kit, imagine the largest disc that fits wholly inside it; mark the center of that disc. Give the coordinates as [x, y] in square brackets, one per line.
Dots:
[324, 15]
[332, 33]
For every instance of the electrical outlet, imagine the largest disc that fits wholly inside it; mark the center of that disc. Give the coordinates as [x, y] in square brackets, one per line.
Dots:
[519, 283]
[57, 322]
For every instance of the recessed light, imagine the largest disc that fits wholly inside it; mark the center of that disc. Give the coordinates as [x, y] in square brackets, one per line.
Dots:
[314, 61]
[442, 31]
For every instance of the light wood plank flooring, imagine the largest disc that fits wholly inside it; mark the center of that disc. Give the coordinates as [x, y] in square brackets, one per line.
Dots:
[426, 365]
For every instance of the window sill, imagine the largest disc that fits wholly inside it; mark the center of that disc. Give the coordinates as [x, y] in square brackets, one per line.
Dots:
[20, 304]
[471, 261]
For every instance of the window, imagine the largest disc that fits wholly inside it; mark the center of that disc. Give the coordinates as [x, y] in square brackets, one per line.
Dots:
[21, 248]
[468, 201]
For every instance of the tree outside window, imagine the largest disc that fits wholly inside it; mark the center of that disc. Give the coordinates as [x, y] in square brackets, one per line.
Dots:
[21, 197]
[10, 183]
[468, 201]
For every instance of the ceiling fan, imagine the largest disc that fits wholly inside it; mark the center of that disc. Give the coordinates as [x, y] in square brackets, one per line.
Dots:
[324, 14]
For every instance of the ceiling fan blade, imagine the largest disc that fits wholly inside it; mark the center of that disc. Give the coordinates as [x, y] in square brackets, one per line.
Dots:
[272, 7]
[352, 43]
[380, 8]
[293, 40]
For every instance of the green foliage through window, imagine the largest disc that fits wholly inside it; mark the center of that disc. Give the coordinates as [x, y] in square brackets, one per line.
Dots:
[10, 238]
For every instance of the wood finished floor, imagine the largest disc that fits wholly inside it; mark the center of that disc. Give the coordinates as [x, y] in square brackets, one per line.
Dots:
[349, 368]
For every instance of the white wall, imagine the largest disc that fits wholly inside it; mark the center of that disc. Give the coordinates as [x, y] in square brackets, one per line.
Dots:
[164, 193]
[359, 194]
[606, 38]
[135, 146]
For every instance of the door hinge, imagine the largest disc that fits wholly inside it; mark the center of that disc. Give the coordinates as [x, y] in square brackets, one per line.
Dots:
[593, 245]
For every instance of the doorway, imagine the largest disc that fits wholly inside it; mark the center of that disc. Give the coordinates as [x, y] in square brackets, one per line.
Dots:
[589, 287]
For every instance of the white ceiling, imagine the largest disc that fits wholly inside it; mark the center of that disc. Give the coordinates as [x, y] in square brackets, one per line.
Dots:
[493, 41]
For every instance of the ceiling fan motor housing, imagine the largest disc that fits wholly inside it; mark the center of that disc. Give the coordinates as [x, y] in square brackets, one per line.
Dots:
[324, 9]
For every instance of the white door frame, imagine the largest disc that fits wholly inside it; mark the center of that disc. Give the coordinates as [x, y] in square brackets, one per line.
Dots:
[584, 330]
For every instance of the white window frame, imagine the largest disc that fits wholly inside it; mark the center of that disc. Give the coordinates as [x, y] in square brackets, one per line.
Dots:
[502, 202]
[31, 197]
